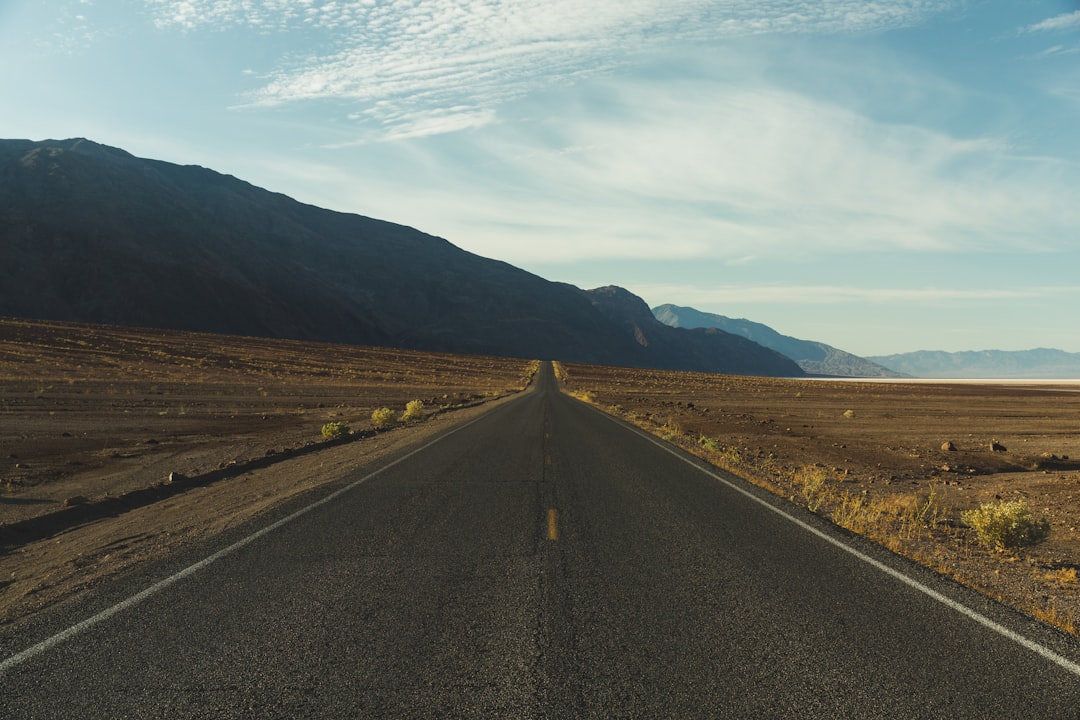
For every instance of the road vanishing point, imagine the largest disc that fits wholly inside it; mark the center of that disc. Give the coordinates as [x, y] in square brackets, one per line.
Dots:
[542, 561]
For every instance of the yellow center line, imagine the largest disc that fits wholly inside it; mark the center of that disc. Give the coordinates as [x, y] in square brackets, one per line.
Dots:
[553, 525]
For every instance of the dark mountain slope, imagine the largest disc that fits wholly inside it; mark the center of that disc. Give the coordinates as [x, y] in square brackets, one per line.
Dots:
[813, 357]
[93, 234]
[698, 347]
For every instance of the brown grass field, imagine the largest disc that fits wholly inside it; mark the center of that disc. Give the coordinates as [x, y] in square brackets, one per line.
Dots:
[869, 456]
[94, 419]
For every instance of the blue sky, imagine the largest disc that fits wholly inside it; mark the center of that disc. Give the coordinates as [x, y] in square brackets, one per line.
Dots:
[881, 176]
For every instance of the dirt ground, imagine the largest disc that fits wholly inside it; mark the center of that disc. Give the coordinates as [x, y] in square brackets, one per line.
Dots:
[93, 420]
[870, 456]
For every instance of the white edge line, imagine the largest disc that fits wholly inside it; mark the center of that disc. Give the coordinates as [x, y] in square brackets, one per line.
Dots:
[978, 617]
[83, 626]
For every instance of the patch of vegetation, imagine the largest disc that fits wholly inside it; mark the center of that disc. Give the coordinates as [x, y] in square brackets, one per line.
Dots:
[530, 372]
[728, 455]
[815, 488]
[1063, 576]
[732, 455]
[414, 411]
[925, 509]
[1006, 525]
[856, 513]
[334, 430]
[583, 395]
[383, 417]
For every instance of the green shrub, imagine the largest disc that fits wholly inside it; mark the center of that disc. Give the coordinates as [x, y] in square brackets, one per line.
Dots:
[382, 417]
[334, 430]
[1006, 525]
[414, 410]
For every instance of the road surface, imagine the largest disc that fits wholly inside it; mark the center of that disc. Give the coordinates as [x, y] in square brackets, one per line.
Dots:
[543, 561]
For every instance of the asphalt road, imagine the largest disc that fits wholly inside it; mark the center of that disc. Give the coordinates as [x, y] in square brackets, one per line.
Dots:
[543, 561]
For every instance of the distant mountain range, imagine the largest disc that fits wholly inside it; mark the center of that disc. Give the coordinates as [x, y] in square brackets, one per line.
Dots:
[91, 233]
[1041, 363]
[814, 357]
[818, 358]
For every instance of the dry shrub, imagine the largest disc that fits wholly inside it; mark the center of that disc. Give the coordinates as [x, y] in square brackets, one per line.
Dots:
[709, 444]
[1006, 525]
[815, 488]
[857, 513]
[334, 430]
[414, 410]
[382, 417]
[897, 504]
[583, 395]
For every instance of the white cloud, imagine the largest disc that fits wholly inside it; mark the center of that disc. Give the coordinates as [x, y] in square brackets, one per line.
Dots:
[431, 122]
[720, 164]
[735, 171]
[413, 57]
[1066, 21]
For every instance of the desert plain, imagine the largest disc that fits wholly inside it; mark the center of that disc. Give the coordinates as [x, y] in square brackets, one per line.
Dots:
[874, 457]
[95, 420]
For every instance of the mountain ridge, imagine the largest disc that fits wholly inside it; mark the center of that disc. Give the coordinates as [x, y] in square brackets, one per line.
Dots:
[634, 315]
[95, 234]
[815, 358]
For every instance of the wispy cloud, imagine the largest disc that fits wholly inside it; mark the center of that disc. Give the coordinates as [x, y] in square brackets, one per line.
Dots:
[71, 29]
[1066, 21]
[730, 170]
[1057, 50]
[402, 60]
